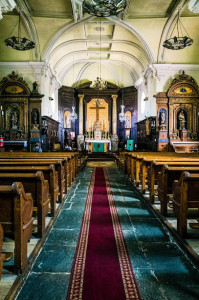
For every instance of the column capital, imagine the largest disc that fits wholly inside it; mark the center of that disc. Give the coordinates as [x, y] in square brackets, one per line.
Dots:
[114, 97]
[80, 96]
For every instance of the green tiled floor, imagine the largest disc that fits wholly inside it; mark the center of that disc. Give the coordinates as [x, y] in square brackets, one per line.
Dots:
[162, 269]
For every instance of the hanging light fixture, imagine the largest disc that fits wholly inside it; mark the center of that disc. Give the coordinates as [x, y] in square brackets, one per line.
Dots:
[99, 83]
[17, 42]
[104, 8]
[73, 115]
[122, 116]
[179, 41]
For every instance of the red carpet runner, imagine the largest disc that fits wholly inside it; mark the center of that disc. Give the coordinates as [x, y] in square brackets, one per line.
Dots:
[102, 269]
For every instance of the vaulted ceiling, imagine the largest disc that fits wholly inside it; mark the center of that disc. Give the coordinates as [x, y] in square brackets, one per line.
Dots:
[80, 47]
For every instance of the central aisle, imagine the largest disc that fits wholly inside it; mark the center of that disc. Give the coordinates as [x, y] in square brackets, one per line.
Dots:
[161, 268]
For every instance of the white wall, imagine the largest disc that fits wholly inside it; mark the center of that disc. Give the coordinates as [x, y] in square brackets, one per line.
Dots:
[48, 84]
[157, 78]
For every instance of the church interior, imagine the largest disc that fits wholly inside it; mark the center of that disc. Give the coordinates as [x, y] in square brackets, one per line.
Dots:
[99, 149]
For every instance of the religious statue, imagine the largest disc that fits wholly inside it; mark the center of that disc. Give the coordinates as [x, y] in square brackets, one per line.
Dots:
[162, 118]
[67, 121]
[14, 120]
[181, 119]
[127, 122]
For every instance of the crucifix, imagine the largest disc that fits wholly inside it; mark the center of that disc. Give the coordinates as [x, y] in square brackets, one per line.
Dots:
[97, 102]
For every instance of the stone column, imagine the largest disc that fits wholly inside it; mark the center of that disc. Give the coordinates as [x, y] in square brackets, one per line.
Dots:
[114, 115]
[80, 137]
[81, 117]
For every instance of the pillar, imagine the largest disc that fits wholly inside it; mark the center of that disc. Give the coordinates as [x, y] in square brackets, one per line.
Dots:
[81, 112]
[114, 115]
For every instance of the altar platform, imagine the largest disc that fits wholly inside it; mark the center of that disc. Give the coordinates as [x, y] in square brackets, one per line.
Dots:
[95, 145]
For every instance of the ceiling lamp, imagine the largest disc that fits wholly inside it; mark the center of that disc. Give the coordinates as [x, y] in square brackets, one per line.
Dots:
[73, 115]
[17, 42]
[178, 42]
[122, 116]
[99, 83]
[104, 8]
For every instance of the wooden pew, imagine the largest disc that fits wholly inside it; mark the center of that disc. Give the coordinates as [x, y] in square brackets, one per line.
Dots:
[142, 164]
[49, 174]
[185, 196]
[35, 184]
[156, 167]
[16, 210]
[71, 160]
[165, 182]
[137, 160]
[1, 255]
[43, 162]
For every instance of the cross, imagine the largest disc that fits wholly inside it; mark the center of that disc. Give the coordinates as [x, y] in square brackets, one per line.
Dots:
[97, 109]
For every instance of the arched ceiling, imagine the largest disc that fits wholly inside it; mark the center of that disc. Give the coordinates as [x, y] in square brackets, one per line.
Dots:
[69, 40]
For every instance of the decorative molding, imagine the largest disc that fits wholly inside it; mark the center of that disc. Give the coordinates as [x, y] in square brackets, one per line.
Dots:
[6, 5]
[194, 6]
[77, 9]
[37, 69]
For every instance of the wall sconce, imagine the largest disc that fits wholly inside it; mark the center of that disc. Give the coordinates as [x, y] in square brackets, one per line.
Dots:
[146, 99]
[50, 98]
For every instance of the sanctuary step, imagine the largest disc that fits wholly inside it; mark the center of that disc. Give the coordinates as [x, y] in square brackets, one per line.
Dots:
[101, 157]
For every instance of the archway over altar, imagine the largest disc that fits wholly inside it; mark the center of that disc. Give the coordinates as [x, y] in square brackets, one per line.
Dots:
[97, 117]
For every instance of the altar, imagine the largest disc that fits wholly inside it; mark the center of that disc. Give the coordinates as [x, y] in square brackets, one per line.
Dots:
[93, 145]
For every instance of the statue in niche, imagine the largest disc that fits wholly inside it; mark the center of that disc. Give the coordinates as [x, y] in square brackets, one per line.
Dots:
[181, 119]
[162, 118]
[127, 122]
[14, 119]
[35, 119]
[35, 116]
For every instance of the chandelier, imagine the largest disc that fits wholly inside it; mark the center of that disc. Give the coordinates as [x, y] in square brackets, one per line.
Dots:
[122, 116]
[104, 8]
[73, 115]
[99, 84]
[17, 42]
[178, 42]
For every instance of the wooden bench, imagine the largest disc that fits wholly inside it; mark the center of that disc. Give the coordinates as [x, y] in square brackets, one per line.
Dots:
[185, 196]
[49, 174]
[43, 162]
[35, 184]
[16, 209]
[165, 182]
[156, 167]
[1, 255]
[136, 161]
[71, 161]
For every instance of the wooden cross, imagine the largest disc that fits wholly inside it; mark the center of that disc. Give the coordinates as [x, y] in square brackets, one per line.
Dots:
[97, 109]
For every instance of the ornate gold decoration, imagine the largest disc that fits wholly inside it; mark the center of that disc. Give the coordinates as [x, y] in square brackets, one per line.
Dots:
[183, 90]
[14, 89]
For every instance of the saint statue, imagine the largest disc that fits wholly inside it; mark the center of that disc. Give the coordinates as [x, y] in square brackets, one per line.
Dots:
[181, 119]
[14, 120]
[162, 118]
[127, 122]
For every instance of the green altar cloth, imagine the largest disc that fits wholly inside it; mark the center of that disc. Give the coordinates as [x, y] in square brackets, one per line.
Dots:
[130, 144]
[98, 147]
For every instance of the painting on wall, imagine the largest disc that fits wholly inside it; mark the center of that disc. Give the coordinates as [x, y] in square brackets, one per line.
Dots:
[127, 134]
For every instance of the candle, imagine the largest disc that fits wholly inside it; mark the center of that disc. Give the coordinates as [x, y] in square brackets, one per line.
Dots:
[102, 125]
[105, 124]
